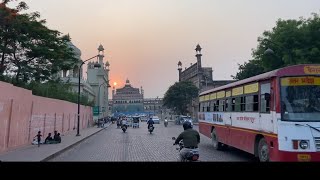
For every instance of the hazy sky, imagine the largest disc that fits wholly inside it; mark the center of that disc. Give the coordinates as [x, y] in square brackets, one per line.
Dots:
[144, 39]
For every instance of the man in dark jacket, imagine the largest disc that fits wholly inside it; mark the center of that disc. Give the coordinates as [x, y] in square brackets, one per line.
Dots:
[150, 122]
[190, 138]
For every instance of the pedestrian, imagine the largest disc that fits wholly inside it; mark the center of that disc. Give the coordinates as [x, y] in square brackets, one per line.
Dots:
[39, 138]
[49, 139]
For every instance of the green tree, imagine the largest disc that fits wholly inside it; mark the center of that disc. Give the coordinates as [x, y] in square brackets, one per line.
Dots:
[249, 69]
[179, 96]
[292, 42]
[31, 50]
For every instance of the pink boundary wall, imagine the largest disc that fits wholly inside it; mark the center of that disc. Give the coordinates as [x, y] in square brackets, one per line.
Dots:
[22, 115]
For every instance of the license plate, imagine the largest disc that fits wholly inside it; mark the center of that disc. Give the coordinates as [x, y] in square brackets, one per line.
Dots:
[304, 157]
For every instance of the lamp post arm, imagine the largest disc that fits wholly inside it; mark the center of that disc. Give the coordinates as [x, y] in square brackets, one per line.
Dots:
[89, 59]
[281, 47]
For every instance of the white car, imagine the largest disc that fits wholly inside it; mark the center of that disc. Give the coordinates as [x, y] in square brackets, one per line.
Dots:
[156, 119]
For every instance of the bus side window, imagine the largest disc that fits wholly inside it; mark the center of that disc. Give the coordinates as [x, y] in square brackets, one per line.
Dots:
[243, 103]
[238, 104]
[256, 102]
[212, 107]
[221, 107]
[265, 98]
[208, 107]
[233, 102]
[217, 105]
[227, 105]
[203, 107]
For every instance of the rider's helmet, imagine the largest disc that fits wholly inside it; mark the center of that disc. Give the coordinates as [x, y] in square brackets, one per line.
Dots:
[187, 125]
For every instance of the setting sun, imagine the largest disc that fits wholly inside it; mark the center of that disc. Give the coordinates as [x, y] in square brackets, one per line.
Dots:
[115, 83]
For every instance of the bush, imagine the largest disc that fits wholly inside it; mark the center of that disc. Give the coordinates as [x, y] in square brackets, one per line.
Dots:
[51, 89]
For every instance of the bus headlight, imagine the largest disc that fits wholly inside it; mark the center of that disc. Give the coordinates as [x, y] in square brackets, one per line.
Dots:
[304, 144]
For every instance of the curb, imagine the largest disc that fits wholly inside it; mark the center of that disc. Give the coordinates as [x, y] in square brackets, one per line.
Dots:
[70, 146]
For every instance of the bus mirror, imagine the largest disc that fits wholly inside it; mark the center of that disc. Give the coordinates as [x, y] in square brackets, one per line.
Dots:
[267, 96]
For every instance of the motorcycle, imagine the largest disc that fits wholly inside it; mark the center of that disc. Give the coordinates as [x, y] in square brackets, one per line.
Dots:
[165, 123]
[151, 128]
[191, 156]
[124, 128]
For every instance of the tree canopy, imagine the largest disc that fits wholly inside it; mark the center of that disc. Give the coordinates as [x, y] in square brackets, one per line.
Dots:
[179, 96]
[29, 50]
[291, 41]
[31, 53]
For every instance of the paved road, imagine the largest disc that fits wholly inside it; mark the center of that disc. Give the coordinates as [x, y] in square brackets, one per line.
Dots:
[138, 145]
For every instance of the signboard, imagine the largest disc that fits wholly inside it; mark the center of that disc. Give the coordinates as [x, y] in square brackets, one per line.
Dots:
[95, 110]
[221, 94]
[251, 88]
[237, 91]
[228, 93]
[300, 81]
[207, 97]
[213, 96]
[312, 69]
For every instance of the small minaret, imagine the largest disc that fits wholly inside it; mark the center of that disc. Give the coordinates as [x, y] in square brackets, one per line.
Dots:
[179, 69]
[142, 92]
[198, 55]
[101, 55]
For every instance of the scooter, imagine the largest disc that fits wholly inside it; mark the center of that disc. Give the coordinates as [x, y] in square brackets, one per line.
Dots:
[165, 123]
[151, 128]
[191, 156]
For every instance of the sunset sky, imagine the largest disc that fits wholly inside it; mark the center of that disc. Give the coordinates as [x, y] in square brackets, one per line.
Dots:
[144, 39]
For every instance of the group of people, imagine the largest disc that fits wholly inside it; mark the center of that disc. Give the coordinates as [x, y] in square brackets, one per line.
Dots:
[49, 139]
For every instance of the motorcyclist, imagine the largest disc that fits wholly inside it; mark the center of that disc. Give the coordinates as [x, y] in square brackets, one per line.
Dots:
[150, 122]
[165, 121]
[124, 122]
[190, 138]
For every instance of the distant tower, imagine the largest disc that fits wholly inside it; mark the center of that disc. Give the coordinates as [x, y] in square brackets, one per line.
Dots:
[142, 91]
[179, 69]
[101, 55]
[127, 82]
[198, 55]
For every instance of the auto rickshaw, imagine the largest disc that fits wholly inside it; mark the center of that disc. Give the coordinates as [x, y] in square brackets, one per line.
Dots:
[135, 122]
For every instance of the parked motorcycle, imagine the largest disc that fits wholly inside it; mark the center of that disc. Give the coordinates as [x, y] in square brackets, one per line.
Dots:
[191, 156]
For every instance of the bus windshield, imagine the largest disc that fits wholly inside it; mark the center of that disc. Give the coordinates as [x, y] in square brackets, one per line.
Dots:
[300, 98]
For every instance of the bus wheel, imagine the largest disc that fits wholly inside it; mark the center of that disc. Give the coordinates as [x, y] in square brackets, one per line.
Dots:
[216, 144]
[263, 150]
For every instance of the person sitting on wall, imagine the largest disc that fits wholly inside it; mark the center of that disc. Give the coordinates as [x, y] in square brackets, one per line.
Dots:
[49, 139]
[55, 135]
[56, 138]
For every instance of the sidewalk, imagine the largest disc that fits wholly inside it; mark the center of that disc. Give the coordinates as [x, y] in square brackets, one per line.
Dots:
[47, 151]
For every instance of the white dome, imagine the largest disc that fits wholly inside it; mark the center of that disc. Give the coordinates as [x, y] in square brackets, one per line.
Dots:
[76, 50]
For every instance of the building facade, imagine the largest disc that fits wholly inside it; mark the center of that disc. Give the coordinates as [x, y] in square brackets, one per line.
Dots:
[201, 77]
[95, 86]
[130, 101]
[127, 100]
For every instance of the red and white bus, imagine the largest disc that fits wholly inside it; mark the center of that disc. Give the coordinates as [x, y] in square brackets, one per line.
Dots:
[275, 115]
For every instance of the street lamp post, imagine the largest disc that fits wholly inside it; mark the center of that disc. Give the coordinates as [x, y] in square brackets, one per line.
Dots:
[82, 63]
